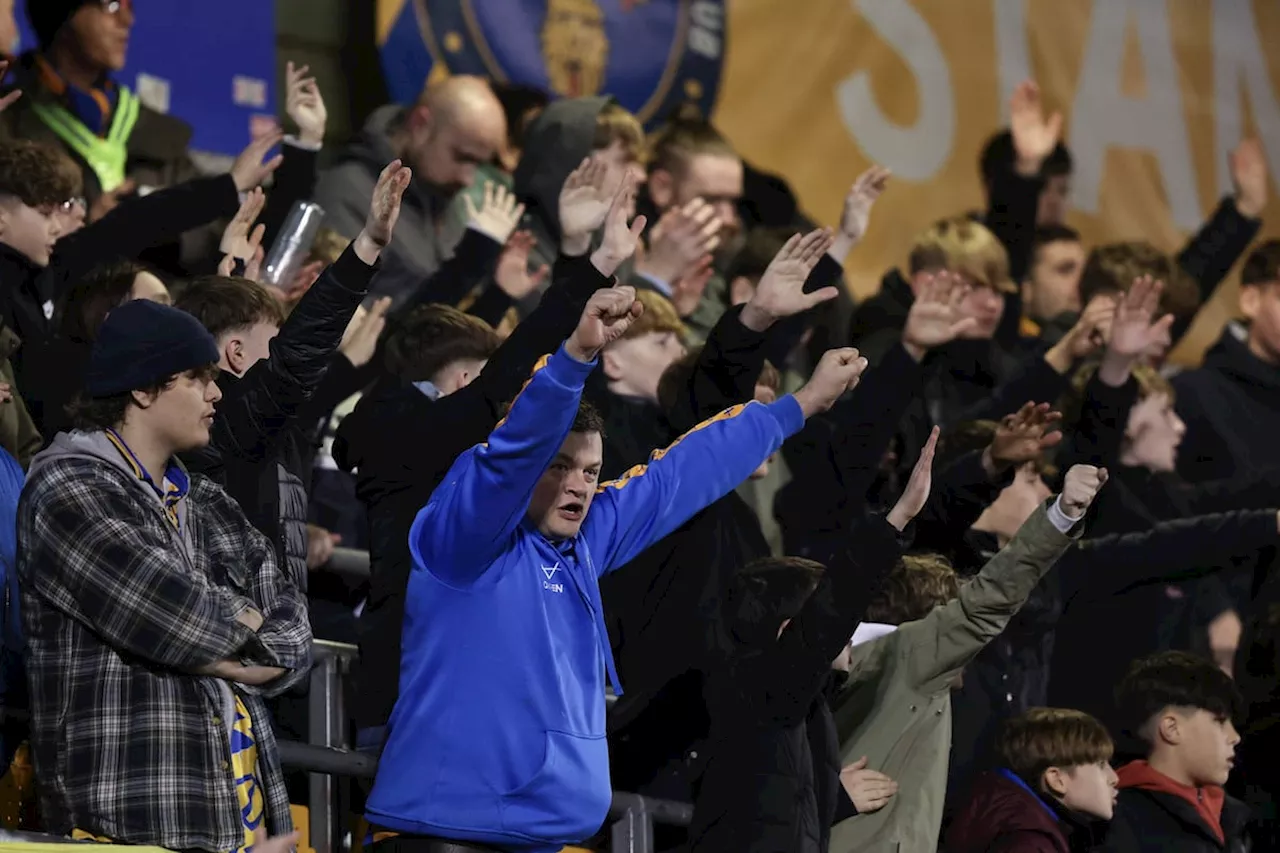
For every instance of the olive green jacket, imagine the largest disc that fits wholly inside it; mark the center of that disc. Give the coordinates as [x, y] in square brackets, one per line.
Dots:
[896, 707]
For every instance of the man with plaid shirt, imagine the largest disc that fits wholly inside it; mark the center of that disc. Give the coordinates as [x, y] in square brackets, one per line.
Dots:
[156, 616]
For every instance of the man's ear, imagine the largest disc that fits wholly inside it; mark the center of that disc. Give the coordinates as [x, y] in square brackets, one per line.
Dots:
[611, 364]
[419, 118]
[233, 357]
[1250, 299]
[142, 399]
[662, 188]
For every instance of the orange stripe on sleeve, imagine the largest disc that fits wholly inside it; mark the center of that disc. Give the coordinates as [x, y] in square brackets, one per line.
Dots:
[639, 470]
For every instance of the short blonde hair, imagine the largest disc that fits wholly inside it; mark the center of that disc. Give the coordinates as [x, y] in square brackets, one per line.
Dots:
[919, 583]
[966, 246]
[659, 316]
[1040, 738]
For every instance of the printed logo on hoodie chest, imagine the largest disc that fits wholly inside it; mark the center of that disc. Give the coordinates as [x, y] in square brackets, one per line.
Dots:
[552, 576]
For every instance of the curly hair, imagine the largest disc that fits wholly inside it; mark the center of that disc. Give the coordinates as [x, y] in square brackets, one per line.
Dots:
[37, 175]
[919, 583]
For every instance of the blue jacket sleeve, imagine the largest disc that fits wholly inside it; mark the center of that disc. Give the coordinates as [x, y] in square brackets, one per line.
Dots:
[486, 493]
[649, 501]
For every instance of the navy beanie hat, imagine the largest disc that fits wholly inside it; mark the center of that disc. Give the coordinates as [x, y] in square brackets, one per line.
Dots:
[142, 343]
[48, 16]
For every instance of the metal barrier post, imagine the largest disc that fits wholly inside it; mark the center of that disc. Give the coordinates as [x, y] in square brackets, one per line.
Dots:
[326, 727]
[632, 832]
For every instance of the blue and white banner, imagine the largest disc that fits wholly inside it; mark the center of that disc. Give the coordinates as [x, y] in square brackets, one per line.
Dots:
[210, 64]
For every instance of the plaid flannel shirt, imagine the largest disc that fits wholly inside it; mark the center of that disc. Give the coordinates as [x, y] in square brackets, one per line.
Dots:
[128, 743]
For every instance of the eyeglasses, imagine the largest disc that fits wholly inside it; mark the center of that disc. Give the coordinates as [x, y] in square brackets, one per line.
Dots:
[72, 204]
[112, 7]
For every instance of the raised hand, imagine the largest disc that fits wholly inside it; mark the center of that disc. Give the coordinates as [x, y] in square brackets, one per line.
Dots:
[1034, 136]
[512, 273]
[585, 199]
[1022, 437]
[838, 371]
[249, 169]
[687, 290]
[608, 315]
[499, 212]
[934, 318]
[1080, 487]
[916, 494]
[620, 240]
[109, 201]
[869, 790]
[237, 241]
[862, 196]
[384, 211]
[679, 240]
[780, 292]
[360, 339]
[1086, 337]
[304, 104]
[1133, 332]
[1249, 177]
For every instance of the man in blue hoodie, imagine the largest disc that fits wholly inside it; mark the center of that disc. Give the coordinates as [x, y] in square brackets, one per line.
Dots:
[497, 741]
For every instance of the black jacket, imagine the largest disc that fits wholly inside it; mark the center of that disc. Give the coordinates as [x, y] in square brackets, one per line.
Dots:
[1159, 822]
[1232, 409]
[403, 444]
[765, 788]
[258, 446]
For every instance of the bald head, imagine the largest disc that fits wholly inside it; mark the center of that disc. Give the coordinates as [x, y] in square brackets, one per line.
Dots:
[456, 125]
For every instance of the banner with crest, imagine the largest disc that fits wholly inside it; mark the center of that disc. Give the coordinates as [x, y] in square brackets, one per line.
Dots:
[1155, 93]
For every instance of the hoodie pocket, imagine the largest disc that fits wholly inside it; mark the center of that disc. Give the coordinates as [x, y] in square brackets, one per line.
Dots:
[568, 796]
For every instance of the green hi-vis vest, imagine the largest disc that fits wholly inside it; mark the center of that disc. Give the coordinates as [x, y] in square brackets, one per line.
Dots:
[106, 155]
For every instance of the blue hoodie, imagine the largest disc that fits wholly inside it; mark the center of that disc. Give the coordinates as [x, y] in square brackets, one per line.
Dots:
[498, 736]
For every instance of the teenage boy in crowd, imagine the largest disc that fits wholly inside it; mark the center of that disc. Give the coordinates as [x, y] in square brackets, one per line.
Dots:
[1182, 708]
[896, 709]
[1231, 404]
[1054, 780]
[549, 538]
[156, 616]
[773, 781]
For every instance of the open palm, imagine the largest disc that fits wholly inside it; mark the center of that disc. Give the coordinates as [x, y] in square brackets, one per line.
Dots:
[1023, 436]
[781, 289]
[935, 318]
[585, 198]
[1132, 330]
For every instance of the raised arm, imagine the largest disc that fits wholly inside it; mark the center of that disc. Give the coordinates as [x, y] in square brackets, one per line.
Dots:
[486, 493]
[108, 573]
[942, 643]
[1213, 250]
[1171, 550]
[733, 355]
[146, 221]
[295, 180]
[649, 501]
[793, 668]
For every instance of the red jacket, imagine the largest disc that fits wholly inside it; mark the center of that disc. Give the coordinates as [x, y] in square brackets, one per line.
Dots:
[1003, 815]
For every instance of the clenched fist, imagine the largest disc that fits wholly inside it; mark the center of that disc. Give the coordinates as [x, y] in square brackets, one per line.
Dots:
[606, 318]
[838, 372]
[1080, 488]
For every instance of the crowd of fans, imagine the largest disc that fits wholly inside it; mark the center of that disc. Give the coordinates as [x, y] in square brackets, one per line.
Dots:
[967, 567]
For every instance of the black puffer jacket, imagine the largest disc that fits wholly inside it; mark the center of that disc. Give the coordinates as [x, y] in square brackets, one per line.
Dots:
[1159, 822]
[256, 433]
